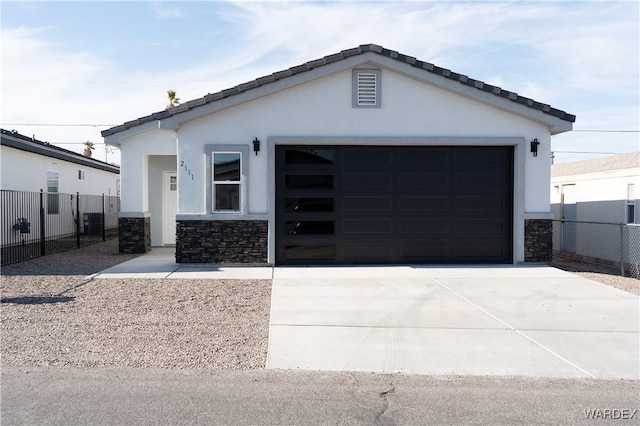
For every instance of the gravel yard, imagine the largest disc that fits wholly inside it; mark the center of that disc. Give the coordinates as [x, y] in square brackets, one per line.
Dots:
[601, 274]
[53, 315]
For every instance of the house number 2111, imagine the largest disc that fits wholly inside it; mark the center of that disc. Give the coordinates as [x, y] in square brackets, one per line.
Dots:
[186, 169]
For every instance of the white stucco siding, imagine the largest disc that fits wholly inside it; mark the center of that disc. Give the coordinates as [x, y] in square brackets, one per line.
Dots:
[323, 108]
[601, 196]
[192, 173]
[135, 152]
[27, 171]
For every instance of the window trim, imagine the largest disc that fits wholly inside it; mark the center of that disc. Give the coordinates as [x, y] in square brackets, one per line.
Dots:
[57, 181]
[82, 174]
[630, 212]
[53, 201]
[235, 183]
[355, 87]
[630, 206]
[243, 150]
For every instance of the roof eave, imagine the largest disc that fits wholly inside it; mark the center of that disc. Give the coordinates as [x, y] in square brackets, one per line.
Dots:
[60, 154]
[114, 139]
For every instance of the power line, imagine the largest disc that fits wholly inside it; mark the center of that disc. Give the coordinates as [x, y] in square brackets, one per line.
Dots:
[584, 152]
[58, 125]
[75, 143]
[606, 131]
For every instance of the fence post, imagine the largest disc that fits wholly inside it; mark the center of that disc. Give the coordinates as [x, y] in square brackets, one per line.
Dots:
[621, 250]
[104, 222]
[78, 219]
[43, 244]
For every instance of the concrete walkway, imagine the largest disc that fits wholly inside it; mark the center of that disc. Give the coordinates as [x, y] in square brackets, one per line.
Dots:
[533, 321]
[160, 262]
[528, 321]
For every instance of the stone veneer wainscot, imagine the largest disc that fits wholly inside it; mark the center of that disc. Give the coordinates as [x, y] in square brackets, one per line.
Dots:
[134, 235]
[538, 240]
[221, 241]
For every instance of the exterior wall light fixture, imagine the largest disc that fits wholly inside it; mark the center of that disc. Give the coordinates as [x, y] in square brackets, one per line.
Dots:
[256, 145]
[534, 147]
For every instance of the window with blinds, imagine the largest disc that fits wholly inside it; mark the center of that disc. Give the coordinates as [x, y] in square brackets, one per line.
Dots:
[366, 88]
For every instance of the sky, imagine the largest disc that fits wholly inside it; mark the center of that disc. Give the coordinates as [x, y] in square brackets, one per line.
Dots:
[72, 69]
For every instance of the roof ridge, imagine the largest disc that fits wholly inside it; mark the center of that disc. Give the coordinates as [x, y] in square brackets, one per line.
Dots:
[362, 49]
[627, 160]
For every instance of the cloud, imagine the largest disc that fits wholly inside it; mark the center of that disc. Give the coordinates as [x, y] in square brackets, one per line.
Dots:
[584, 41]
[558, 53]
[43, 84]
[163, 11]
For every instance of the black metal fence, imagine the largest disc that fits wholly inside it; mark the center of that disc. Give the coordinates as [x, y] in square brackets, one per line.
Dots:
[35, 224]
[616, 245]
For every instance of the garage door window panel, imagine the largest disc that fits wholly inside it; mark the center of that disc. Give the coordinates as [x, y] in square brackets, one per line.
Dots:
[309, 205]
[310, 227]
[301, 156]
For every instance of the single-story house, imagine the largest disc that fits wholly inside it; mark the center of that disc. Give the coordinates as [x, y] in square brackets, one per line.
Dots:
[32, 165]
[597, 202]
[366, 156]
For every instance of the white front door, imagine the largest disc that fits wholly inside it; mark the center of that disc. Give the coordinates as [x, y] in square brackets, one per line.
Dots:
[170, 208]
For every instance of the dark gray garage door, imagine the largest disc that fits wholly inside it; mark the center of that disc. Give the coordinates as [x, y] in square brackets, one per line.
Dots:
[371, 205]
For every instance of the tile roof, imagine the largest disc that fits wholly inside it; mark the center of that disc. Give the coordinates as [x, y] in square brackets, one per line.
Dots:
[362, 49]
[603, 164]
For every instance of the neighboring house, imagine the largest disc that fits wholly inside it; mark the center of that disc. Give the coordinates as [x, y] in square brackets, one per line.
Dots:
[598, 191]
[365, 156]
[32, 165]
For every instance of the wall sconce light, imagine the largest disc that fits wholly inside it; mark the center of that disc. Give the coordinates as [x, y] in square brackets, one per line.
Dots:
[256, 145]
[534, 147]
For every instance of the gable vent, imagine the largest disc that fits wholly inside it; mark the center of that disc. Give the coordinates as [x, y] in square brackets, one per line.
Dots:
[366, 88]
[367, 83]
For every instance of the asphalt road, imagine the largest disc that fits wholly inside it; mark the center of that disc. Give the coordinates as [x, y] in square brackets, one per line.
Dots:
[63, 395]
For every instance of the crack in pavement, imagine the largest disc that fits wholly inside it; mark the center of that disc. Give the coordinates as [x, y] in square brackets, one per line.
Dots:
[385, 400]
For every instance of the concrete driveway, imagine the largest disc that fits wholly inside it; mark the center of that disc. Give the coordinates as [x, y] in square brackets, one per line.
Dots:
[507, 320]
